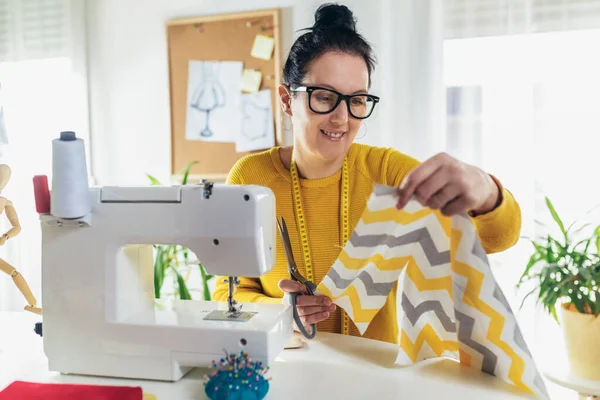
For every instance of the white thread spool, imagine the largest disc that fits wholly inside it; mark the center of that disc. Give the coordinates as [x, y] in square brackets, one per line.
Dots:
[70, 197]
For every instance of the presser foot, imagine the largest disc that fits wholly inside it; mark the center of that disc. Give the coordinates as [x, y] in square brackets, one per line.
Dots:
[226, 315]
[234, 310]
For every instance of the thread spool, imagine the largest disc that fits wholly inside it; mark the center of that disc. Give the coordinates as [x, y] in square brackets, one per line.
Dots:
[42, 194]
[70, 197]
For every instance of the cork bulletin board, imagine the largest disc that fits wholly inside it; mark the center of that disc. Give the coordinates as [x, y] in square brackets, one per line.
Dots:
[222, 38]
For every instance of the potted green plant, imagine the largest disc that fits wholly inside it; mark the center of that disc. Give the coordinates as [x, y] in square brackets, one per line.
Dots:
[174, 260]
[564, 271]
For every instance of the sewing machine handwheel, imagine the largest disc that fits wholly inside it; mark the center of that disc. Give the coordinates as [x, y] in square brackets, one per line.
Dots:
[299, 324]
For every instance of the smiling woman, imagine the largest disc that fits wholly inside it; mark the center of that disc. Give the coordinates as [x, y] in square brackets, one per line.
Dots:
[322, 182]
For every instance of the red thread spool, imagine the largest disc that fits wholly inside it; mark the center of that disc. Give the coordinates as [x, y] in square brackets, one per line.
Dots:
[42, 194]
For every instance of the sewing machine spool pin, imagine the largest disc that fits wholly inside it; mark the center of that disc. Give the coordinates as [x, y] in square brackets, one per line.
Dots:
[207, 188]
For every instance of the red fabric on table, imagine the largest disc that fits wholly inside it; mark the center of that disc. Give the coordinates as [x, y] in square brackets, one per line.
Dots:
[20, 390]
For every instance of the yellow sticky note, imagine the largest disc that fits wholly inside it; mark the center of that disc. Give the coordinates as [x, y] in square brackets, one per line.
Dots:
[149, 396]
[251, 80]
[263, 47]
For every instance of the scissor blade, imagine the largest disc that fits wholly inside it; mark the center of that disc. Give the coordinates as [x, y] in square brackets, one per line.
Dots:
[287, 246]
[285, 229]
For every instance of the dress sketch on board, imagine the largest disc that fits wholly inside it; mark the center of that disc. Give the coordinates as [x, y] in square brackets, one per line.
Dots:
[259, 117]
[209, 95]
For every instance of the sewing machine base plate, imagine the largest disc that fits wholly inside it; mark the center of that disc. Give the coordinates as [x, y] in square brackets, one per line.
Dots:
[224, 315]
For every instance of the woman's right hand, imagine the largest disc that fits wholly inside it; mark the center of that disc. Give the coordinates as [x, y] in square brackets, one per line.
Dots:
[311, 309]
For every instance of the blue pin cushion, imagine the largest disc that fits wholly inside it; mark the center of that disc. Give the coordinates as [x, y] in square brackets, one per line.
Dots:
[237, 377]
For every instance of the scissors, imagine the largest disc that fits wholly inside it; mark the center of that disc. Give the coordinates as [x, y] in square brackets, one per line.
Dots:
[311, 288]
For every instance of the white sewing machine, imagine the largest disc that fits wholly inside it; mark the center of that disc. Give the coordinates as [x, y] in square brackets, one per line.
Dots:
[99, 312]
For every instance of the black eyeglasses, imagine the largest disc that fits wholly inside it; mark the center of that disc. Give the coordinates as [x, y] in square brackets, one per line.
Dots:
[323, 101]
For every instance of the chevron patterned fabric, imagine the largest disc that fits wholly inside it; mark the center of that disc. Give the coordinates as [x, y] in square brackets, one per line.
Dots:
[448, 300]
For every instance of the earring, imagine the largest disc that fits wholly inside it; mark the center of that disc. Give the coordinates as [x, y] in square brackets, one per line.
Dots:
[366, 130]
[283, 124]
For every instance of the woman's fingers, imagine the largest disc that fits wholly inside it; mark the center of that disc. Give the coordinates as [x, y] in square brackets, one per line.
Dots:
[303, 301]
[443, 197]
[455, 206]
[310, 310]
[416, 177]
[290, 286]
[314, 318]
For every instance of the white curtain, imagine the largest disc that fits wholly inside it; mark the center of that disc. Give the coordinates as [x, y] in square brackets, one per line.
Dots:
[3, 134]
[408, 40]
[43, 91]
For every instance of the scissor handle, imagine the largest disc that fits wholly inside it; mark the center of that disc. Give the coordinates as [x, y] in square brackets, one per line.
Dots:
[299, 324]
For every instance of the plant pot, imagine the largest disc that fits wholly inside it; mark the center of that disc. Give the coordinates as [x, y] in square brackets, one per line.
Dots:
[582, 333]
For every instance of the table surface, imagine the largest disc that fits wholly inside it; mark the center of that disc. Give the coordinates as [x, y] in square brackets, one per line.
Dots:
[556, 369]
[329, 366]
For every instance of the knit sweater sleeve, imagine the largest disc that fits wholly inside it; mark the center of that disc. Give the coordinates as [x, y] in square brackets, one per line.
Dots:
[498, 229]
[249, 290]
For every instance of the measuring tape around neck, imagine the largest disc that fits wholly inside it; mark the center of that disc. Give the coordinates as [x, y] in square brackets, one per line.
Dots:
[303, 231]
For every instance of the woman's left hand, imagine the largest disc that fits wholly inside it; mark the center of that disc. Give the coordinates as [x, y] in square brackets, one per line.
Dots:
[445, 183]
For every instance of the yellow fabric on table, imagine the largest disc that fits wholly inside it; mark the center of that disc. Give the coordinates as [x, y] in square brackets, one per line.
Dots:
[368, 166]
[451, 304]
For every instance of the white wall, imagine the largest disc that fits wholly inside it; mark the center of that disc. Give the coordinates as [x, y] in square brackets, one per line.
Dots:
[128, 73]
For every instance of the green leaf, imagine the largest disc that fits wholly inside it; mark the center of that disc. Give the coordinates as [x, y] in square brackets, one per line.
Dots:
[577, 302]
[563, 271]
[553, 313]
[206, 295]
[541, 250]
[534, 259]
[153, 180]
[186, 171]
[549, 250]
[184, 293]
[556, 217]
[527, 295]
[587, 243]
[159, 271]
[585, 273]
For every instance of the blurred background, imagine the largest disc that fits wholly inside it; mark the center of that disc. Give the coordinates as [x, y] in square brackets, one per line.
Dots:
[512, 86]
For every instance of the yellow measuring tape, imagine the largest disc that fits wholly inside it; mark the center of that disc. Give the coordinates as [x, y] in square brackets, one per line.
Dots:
[344, 225]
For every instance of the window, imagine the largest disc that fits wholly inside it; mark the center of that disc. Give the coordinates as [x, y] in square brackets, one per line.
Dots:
[43, 91]
[524, 107]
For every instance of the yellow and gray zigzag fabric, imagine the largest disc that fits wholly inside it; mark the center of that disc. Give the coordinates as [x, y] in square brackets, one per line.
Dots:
[450, 303]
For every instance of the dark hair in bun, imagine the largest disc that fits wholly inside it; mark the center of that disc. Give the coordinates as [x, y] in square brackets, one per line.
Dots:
[330, 16]
[334, 30]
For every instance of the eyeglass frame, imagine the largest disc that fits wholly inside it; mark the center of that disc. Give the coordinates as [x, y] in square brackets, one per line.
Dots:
[345, 97]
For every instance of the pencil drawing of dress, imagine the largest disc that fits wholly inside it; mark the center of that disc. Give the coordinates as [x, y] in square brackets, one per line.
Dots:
[209, 95]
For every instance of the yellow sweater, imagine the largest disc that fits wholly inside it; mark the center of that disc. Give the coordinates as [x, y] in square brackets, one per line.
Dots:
[498, 229]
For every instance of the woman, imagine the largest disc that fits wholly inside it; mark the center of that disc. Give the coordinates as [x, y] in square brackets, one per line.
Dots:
[322, 182]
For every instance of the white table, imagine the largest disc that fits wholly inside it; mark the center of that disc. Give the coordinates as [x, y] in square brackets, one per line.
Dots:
[556, 369]
[328, 367]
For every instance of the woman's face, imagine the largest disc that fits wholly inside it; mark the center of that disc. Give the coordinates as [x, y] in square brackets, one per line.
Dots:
[327, 136]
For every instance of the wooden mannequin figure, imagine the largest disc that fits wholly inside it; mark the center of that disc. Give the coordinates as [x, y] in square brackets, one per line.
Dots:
[7, 206]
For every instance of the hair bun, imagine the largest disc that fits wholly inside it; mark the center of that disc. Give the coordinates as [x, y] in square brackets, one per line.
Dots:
[330, 16]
